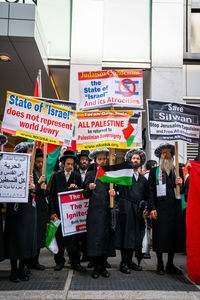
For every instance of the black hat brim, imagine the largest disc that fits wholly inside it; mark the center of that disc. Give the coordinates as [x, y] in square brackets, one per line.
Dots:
[64, 157]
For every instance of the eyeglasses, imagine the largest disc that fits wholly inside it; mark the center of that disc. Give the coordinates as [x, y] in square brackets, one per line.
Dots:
[165, 152]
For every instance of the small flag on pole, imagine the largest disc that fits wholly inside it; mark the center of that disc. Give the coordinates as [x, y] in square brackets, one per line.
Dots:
[119, 174]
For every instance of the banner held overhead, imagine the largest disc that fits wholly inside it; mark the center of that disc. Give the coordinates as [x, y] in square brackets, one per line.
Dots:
[38, 120]
[110, 88]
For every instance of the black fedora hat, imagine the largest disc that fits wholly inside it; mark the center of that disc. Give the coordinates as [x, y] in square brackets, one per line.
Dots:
[68, 154]
[39, 153]
[83, 153]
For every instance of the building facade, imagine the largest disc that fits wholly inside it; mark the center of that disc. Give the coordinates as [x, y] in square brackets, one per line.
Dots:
[63, 37]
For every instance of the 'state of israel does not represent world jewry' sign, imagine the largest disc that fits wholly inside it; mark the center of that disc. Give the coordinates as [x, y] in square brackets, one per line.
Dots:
[38, 120]
[173, 121]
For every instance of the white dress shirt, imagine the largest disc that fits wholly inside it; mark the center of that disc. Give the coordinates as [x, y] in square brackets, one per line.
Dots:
[136, 174]
[83, 174]
[67, 175]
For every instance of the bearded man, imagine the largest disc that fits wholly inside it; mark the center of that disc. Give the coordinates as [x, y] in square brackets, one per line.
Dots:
[165, 209]
[131, 203]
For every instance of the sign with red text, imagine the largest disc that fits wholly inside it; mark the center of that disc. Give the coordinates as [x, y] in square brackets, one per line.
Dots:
[110, 88]
[38, 120]
[73, 212]
[109, 129]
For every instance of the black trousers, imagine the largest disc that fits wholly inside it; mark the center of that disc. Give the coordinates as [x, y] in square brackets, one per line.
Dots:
[71, 243]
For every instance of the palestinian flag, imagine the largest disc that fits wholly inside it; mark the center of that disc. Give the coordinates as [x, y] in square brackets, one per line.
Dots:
[119, 174]
[128, 134]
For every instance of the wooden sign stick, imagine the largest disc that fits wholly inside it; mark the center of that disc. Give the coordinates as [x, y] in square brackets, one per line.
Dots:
[111, 160]
[33, 158]
[177, 168]
[44, 160]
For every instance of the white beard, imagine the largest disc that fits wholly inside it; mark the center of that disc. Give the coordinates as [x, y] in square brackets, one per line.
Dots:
[166, 165]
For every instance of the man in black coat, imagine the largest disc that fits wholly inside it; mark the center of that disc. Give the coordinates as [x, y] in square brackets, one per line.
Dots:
[130, 231]
[165, 208]
[63, 181]
[3, 141]
[41, 193]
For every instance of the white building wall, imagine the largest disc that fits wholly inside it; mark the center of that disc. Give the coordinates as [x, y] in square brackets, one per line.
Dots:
[166, 81]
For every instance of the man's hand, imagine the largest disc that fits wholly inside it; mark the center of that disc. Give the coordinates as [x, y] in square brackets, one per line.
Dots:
[72, 186]
[42, 179]
[43, 186]
[92, 186]
[153, 214]
[145, 214]
[112, 192]
[31, 186]
[53, 217]
[179, 181]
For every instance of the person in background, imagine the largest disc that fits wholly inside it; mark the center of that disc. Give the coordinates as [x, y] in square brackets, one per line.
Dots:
[62, 181]
[149, 165]
[100, 241]
[21, 228]
[41, 204]
[3, 141]
[165, 209]
[132, 211]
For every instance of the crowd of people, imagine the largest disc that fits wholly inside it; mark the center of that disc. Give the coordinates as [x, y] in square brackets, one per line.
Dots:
[149, 201]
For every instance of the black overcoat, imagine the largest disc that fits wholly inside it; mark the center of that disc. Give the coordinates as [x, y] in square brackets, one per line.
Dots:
[1, 236]
[130, 229]
[168, 229]
[21, 230]
[42, 214]
[59, 184]
[100, 240]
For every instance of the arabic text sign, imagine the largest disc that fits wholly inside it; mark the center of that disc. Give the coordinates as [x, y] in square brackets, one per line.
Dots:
[73, 211]
[38, 120]
[111, 88]
[173, 121]
[14, 177]
[109, 128]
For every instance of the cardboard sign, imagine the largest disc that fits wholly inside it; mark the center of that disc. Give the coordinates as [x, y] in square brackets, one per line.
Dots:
[109, 129]
[38, 120]
[169, 121]
[111, 88]
[14, 177]
[73, 212]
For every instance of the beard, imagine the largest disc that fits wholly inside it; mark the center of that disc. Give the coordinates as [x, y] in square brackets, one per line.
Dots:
[166, 165]
[83, 167]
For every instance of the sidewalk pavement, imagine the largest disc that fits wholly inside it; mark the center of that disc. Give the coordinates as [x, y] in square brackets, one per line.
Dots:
[69, 284]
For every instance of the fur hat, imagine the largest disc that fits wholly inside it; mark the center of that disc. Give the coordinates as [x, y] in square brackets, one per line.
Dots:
[22, 147]
[159, 149]
[3, 139]
[95, 152]
[131, 152]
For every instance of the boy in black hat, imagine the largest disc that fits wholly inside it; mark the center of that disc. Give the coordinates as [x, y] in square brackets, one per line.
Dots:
[63, 181]
[83, 163]
[41, 204]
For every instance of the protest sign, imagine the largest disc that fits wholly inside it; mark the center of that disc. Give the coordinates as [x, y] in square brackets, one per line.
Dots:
[110, 129]
[110, 88]
[38, 120]
[14, 177]
[73, 211]
[63, 103]
[173, 121]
